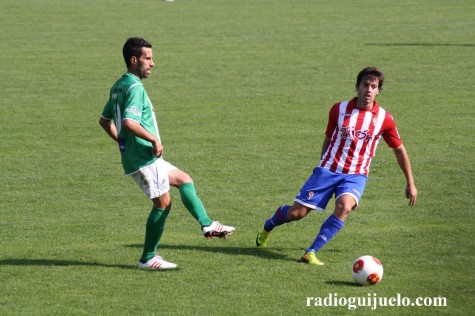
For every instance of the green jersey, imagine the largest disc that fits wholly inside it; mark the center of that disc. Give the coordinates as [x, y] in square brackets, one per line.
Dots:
[128, 100]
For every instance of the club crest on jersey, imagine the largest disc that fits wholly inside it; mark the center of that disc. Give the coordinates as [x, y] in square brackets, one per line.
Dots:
[311, 194]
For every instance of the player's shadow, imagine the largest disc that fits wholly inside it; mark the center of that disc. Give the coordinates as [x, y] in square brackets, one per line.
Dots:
[248, 251]
[60, 263]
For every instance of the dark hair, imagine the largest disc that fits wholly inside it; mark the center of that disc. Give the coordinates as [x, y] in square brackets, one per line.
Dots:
[372, 73]
[133, 47]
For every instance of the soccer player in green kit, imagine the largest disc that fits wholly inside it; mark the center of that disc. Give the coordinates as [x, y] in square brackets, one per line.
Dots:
[129, 119]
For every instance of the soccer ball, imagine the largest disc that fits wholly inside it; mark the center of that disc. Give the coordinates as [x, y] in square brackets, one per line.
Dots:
[367, 270]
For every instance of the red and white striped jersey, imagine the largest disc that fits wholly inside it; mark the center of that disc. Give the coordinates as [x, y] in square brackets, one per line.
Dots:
[354, 135]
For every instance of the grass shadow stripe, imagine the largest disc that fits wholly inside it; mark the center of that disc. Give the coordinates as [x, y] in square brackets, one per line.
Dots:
[59, 263]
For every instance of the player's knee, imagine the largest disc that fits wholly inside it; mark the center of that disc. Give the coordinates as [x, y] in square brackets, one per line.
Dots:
[345, 203]
[343, 207]
[169, 207]
[341, 214]
[184, 178]
[163, 202]
[187, 178]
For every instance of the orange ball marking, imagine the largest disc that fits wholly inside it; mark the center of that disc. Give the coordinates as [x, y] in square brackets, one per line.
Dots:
[373, 278]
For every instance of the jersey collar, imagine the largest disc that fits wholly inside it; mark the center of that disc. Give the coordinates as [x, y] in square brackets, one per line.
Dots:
[374, 110]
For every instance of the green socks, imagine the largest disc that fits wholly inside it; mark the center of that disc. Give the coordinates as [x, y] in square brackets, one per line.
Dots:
[193, 204]
[153, 232]
[156, 219]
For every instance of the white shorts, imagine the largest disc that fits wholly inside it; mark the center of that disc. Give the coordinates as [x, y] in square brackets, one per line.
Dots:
[153, 179]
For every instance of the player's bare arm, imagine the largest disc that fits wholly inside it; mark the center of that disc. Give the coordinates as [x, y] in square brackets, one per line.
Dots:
[326, 143]
[405, 165]
[141, 132]
[109, 128]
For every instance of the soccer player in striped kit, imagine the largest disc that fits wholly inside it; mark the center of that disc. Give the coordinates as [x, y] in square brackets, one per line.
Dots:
[353, 132]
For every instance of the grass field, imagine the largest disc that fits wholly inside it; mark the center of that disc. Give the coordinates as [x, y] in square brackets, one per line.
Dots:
[242, 91]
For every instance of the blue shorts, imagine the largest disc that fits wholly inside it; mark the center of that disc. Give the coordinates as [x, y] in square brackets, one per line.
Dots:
[323, 184]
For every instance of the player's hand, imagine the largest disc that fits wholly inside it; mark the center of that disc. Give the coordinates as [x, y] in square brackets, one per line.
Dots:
[157, 148]
[411, 194]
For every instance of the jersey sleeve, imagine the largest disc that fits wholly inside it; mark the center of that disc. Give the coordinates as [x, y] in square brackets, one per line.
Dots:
[134, 103]
[107, 112]
[332, 120]
[390, 132]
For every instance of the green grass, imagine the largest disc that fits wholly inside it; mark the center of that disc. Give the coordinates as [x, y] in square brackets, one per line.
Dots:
[242, 91]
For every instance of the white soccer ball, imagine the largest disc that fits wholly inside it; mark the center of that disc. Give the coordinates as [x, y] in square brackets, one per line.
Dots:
[367, 270]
